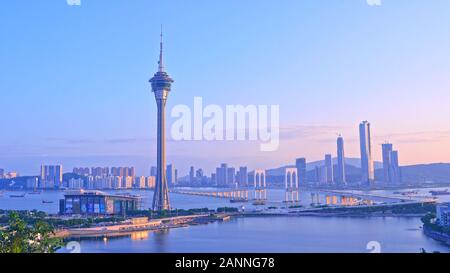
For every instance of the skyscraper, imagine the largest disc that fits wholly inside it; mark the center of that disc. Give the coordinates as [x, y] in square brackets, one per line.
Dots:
[51, 176]
[391, 168]
[329, 168]
[243, 177]
[395, 167]
[153, 171]
[171, 175]
[368, 175]
[161, 84]
[300, 164]
[340, 172]
[387, 167]
[231, 176]
[191, 175]
[221, 175]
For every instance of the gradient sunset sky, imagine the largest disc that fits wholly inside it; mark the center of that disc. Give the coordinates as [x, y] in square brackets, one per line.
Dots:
[74, 79]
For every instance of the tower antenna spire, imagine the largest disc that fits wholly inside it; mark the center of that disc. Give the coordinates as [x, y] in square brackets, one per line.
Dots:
[160, 62]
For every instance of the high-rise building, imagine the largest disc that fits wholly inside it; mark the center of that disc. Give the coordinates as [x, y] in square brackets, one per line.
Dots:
[33, 183]
[300, 164]
[75, 184]
[242, 177]
[191, 175]
[340, 171]
[171, 175]
[221, 175]
[231, 176]
[51, 176]
[321, 175]
[387, 167]
[150, 182]
[82, 171]
[2, 173]
[367, 168]
[153, 171]
[391, 168]
[161, 86]
[213, 179]
[139, 182]
[395, 167]
[99, 171]
[329, 168]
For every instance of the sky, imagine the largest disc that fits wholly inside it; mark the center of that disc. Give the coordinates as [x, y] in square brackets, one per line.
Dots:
[74, 79]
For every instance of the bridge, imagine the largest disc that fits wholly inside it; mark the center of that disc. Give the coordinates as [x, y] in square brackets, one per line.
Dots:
[371, 196]
[231, 194]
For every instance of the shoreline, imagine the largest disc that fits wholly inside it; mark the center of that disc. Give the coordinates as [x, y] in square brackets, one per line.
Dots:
[440, 237]
[202, 220]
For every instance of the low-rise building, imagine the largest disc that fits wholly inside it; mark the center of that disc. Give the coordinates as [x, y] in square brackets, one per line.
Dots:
[97, 203]
[443, 214]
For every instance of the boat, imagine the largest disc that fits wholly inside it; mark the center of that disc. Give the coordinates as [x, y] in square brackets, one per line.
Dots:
[239, 200]
[259, 202]
[17, 195]
[444, 192]
[47, 202]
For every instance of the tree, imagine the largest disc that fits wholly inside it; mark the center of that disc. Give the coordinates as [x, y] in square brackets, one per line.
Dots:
[19, 237]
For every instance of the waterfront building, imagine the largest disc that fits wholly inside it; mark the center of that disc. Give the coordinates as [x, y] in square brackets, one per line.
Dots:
[443, 214]
[153, 171]
[150, 182]
[367, 168]
[242, 177]
[51, 176]
[340, 171]
[171, 175]
[117, 182]
[300, 164]
[396, 171]
[387, 166]
[127, 182]
[321, 174]
[221, 175]
[191, 175]
[391, 168]
[33, 183]
[97, 203]
[75, 184]
[199, 174]
[140, 183]
[231, 176]
[329, 168]
[103, 182]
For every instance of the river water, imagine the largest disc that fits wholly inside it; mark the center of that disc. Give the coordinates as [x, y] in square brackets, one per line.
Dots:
[257, 234]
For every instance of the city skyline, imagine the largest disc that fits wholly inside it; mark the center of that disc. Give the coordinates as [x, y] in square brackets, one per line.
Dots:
[89, 123]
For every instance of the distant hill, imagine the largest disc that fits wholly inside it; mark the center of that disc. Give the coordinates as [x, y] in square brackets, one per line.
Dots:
[350, 163]
[436, 172]
[413, 174]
